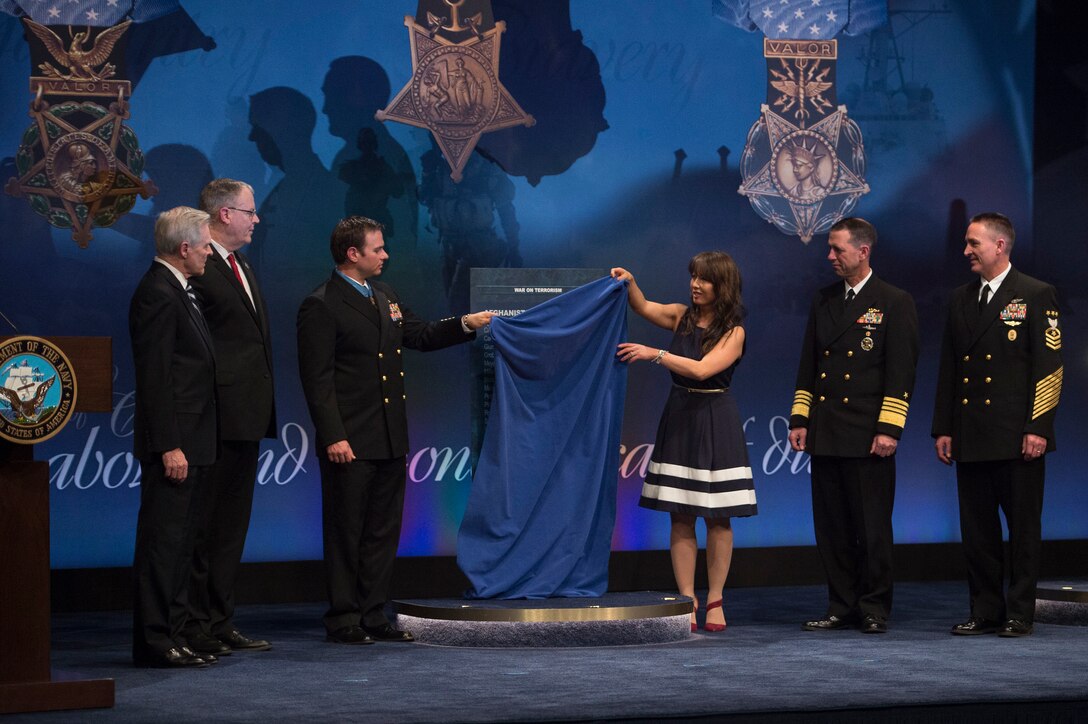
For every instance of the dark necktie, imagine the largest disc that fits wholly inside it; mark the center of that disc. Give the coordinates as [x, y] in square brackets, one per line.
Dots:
[849, 296]
[192, 298]
[983, 297]
[199, 312]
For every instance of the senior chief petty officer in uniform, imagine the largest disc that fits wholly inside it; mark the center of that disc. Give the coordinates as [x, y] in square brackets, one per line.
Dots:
[997, 395]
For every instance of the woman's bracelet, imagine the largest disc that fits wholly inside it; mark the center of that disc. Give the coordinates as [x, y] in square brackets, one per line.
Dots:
[659, 357]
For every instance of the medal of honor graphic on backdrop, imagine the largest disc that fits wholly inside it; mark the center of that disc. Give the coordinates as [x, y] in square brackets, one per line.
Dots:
[79, 165]
[455, 90]
[803, 165]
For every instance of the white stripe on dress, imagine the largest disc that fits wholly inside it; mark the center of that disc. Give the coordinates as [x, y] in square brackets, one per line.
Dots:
[729, 499]
[703, 476]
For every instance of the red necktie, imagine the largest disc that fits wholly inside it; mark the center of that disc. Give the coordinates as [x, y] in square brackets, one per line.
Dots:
[237, 272]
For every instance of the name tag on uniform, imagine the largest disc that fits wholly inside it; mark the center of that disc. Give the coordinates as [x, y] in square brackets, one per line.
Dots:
[394, 312]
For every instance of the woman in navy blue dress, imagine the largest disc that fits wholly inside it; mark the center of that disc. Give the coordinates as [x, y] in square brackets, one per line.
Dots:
[699, 467]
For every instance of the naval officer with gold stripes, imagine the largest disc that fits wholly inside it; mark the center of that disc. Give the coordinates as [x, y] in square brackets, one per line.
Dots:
[997, 391]
[854, 385]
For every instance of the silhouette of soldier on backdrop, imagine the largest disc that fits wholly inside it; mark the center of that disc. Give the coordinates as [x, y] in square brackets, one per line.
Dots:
[355, 88]
[464, 214]
[234, 156]
[371, 183]
[179, 172]
[290, 245]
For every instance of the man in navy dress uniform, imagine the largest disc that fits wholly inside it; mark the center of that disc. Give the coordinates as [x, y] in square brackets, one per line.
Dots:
[997, 393]
[854, 384]
[351, 331]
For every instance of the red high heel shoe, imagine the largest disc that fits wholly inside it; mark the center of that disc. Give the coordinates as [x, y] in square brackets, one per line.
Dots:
[694, 608]
[713, 627]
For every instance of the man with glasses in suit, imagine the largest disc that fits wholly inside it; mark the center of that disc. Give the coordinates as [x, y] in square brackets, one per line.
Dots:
[236, 314]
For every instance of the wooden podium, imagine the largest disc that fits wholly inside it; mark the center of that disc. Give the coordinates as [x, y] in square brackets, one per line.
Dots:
[26, 681]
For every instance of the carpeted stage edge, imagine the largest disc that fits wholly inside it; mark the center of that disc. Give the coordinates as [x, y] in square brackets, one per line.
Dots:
[763, 668]
[105, 589]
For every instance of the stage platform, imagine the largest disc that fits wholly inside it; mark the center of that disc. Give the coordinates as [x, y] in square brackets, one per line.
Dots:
[763, 668]
[615, 619]
[1062, 602]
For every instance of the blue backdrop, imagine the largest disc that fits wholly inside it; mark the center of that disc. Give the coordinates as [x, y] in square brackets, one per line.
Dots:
[285, 100]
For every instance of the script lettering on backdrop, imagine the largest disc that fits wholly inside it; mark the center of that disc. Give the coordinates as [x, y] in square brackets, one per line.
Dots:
[803, 165]
[771, 447]
[455, 90]
[79, 165]
[103, 458]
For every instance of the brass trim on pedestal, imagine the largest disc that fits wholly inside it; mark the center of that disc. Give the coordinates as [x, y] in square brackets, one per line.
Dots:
[486, 611]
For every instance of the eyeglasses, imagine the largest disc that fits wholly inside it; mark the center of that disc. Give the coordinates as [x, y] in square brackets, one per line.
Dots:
[250, 212]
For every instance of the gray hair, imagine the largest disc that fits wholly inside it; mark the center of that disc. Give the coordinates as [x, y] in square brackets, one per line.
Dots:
[178, 225]
[221, 192]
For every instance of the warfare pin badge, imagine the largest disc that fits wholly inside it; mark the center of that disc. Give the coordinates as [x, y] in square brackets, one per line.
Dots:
[37, 390]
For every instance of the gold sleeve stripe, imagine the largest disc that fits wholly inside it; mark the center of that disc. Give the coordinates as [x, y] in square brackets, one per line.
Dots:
[802, 403]
[893, 411]
[1047, 392]
[892, 418]
[1044, 386]
[894, 404]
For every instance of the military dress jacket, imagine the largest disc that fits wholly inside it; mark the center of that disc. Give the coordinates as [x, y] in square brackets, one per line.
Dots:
[856, 374]
[1001, 369]
[351, 364]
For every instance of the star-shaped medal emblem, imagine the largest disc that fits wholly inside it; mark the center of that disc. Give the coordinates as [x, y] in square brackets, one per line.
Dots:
[790, 172]
[455, 92]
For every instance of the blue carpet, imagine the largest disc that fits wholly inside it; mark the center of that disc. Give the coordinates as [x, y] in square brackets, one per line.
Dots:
[762, 663]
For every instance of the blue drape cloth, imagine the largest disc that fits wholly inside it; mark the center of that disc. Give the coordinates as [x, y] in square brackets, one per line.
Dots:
[543, 502]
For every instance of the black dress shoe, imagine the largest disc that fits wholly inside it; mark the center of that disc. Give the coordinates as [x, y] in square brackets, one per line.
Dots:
[175, 658]
[349, 635]
[831, 623]
[208, 658]
[386, 632]
[975, 627]
[1015, 627]
[874, 624]
[236, 640]
[202, 643]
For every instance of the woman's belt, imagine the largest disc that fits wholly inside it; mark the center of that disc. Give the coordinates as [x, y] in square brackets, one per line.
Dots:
[695, 389]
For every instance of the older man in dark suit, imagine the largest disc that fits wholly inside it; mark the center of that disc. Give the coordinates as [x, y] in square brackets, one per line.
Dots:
[854, 384]
[997, 394]
[236, 314]
[174, 434]
[350, 335]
